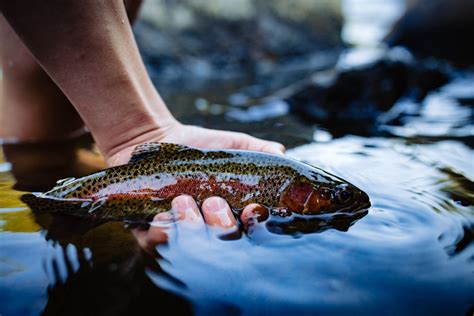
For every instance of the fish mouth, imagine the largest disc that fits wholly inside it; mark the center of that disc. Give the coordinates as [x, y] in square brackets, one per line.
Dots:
[363, 202]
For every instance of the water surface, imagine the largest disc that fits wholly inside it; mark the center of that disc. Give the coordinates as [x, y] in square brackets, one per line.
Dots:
[412, 254]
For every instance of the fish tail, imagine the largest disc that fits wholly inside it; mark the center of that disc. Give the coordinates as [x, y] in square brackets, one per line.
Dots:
[46, 204]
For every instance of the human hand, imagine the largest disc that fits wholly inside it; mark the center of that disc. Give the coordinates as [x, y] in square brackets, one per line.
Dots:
[215, 210]
[175, 132]
[185, 216]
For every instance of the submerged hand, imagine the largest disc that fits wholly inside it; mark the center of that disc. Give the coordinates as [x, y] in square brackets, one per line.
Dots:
[185, 216]
[215, 210]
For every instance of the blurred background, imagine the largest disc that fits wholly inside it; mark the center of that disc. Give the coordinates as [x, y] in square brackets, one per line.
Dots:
[378, 92]
[336, 66]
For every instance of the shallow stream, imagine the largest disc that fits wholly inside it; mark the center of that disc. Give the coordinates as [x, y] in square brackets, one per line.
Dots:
[412, 254]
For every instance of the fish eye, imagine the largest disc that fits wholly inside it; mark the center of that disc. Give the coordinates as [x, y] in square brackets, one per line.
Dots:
[345, 196]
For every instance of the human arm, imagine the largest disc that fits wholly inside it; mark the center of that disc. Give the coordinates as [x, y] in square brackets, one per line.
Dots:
[88, 49]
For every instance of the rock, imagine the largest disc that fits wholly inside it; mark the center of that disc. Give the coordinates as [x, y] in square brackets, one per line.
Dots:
[438, 28]
[352, 98]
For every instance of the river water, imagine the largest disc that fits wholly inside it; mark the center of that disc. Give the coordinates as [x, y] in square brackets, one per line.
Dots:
[411, 254]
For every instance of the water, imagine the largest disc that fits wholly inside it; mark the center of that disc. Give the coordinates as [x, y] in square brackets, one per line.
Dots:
[412, 254]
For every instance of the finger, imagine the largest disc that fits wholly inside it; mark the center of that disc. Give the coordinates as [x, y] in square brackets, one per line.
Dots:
[274, 148]
[190, 223]
[258, 144]
[252, 214]
[187, 211]
[217, 213]
[160, 228]
[156, 234]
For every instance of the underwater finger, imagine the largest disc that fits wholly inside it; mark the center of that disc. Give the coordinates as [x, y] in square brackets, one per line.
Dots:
[220, 219]
[155, 234]
[252, 214]
[187, 211]
[160, 228]
[217, 213]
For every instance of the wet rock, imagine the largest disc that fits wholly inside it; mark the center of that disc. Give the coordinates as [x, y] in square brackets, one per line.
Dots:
[438, 28]
[351, 98]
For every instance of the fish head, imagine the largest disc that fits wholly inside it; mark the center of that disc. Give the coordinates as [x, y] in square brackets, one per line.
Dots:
[312, 199]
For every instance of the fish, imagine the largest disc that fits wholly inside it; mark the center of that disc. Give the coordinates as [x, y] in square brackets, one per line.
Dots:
[158, 172]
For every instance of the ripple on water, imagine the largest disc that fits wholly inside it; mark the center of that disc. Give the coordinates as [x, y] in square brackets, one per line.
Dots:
[411, 254]
[404, 250]
[442, 113]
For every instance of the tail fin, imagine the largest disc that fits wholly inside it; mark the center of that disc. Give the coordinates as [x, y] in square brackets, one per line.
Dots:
[40, 203]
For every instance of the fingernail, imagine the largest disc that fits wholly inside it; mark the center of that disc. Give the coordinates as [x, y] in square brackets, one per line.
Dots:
[164, 219]
[217, 204]
[277, 149]
[221, 211]
[186, 208]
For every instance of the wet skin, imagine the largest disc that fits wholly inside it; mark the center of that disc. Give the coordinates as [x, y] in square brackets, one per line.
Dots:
[186, 217]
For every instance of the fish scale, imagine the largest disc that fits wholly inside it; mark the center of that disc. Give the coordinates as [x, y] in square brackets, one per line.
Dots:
[158, 172]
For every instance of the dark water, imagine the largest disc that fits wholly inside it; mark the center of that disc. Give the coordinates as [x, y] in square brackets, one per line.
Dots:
[412, 254]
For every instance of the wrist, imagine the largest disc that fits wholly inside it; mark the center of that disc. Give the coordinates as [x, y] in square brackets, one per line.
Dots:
[118, 151]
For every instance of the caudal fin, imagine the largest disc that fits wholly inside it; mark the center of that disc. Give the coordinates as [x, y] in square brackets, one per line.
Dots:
[38, 203]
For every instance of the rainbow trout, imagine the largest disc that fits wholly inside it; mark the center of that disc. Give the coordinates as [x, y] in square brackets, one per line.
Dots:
[158, 172]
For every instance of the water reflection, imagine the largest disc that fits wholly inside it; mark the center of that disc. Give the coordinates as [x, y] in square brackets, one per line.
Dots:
[37, 166]
[417, 239]
[393, 251]
[96, 268]
[299, 225]
[459, 188]
[412, 254]
[461, 241]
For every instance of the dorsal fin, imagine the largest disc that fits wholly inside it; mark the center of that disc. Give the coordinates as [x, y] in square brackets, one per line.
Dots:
[64, 181]
[158, 150]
